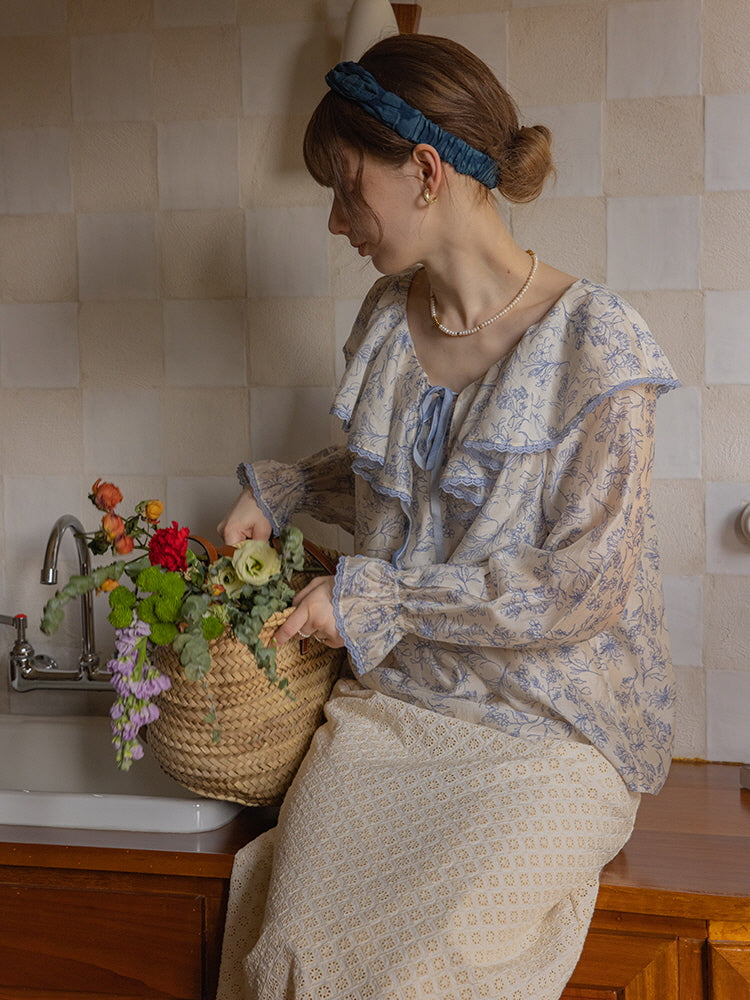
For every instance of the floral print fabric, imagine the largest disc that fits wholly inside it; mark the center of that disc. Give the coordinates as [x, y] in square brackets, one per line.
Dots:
[507, 571]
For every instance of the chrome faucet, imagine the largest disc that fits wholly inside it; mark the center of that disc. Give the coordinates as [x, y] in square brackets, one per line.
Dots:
[89, 659]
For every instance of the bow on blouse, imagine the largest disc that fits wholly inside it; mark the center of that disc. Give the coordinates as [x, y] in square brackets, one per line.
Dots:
[435, 416]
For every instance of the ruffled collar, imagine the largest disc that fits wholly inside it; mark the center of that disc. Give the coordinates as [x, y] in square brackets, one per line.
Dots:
[588, 346]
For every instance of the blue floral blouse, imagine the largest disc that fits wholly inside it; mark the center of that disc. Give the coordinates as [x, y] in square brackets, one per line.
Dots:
[507, 569]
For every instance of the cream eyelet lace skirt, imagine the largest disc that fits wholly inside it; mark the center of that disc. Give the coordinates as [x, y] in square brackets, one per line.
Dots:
[419, 857]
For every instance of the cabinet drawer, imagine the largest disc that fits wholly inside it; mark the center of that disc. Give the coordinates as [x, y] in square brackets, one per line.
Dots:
[81, 941]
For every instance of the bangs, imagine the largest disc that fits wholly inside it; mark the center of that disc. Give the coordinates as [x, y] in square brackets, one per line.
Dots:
[323, 148]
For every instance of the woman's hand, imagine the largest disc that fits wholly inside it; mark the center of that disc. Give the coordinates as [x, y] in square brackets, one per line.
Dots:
[312, 615]
[245, 520]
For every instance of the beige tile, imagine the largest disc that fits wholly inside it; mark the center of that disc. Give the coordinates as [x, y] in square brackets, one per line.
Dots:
[727, 356]
[27, 96]
[196, 73]
[678, 435]
[676, 319]
[194, 12]
[482, 32]
[117, 255]
[105, 16]
[288, 423]
[42, 432]
[725, 262]
[726, 29]
[114, 167]
[726, 442]
[726, 630]
[726, 549]
[683, 602]
[205, 431]
[39, 345]
[678, 507]
[286, 252]
[653, 242]
[111, 77]
[32, 17]
[557, 50]
[351, 276]
[272, 171]
[36, 169]
[690, 714]
[121, 431]
[473, 7]
[569, 233]
[653, 49]
[198, 164]
[290, 341]
[653, 145]
[204, 343]
[273, 12]
[283, 67]
[120, 345]
[38, 258]
[202, 254]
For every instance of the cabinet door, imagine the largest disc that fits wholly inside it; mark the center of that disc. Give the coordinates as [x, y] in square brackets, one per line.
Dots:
[71, 942]
[634, 957]
[729, 960]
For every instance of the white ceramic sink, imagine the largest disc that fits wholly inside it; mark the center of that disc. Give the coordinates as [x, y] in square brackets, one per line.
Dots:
[60, 772]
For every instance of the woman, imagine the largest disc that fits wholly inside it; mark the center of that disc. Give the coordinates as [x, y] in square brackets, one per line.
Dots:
[511, 691]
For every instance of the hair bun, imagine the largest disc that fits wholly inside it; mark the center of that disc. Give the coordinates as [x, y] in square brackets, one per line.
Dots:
[526, 164]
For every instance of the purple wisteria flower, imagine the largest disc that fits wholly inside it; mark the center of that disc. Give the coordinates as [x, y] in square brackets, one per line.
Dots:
[136, 681]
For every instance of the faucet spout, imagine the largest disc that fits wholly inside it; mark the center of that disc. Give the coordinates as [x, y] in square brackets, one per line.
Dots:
[89, 660]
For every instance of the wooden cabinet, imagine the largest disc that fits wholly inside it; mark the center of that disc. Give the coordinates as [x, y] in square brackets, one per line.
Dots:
[91, 916]
[637, 957]
[78, 934]
[729, 959]
[673, 915]
[126, 916]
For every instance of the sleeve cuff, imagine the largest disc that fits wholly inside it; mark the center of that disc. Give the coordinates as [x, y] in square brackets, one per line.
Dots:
[366, 608]
[273, 486]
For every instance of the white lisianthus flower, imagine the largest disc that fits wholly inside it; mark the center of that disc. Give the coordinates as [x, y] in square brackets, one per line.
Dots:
[223, 577]
[255, 562]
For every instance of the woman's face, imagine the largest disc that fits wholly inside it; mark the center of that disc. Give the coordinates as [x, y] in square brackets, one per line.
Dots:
[393, 195]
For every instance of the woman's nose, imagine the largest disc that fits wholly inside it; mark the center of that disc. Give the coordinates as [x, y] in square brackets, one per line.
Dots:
[337, 221]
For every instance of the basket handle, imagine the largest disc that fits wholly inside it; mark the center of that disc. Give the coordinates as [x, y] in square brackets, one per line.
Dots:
[226, 550]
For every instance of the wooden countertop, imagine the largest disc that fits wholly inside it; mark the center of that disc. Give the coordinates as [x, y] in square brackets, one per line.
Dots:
[691, 843]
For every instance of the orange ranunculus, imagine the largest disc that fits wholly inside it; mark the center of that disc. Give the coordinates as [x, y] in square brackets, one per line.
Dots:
[105, 496]
[108, 585]
[153, 510]
[113, 526]
[124, 545]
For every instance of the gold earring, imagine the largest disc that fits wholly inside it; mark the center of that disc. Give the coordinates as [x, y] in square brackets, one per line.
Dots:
[429, 198]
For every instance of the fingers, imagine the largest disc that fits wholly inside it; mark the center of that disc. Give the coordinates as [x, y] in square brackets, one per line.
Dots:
[244, 520]
[312, 616]
[295, 624]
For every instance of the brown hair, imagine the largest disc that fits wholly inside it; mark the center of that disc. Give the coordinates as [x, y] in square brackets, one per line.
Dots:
[449, 85]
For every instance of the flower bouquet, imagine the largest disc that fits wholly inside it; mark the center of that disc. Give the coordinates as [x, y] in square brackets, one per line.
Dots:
[171, 605]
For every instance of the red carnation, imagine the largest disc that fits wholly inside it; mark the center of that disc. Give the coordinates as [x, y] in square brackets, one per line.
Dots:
[168, 548]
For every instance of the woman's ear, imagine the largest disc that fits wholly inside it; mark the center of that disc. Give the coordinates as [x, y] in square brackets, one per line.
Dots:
[430, 167]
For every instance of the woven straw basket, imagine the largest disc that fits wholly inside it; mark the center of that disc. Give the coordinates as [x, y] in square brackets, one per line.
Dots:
[264, 732]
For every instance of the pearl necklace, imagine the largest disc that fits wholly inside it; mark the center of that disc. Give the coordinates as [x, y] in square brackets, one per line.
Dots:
[493, 319]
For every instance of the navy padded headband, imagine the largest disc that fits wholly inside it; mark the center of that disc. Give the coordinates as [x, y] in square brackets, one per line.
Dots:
[351, 81]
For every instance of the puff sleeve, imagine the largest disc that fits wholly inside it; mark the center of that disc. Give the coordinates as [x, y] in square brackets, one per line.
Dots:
[321, 485]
